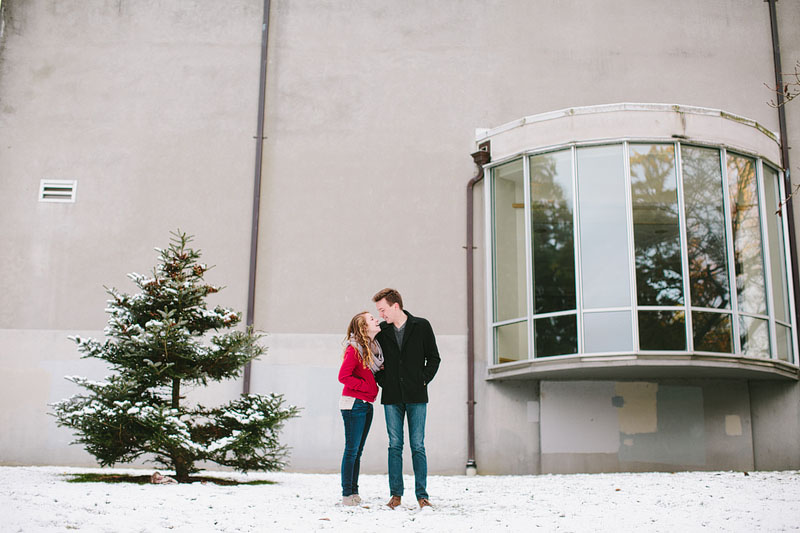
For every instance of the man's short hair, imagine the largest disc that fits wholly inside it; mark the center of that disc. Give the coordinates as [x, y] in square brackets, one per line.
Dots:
[392, 297]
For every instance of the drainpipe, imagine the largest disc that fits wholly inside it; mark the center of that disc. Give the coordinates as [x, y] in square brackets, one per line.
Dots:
[481, 157]
[787, 174]
[262, 94]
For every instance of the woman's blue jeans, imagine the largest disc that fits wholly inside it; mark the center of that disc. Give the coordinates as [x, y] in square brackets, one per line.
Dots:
[415, 412]
[356, 427]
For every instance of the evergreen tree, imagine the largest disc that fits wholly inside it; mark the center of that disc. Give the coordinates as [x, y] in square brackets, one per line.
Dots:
[154, 344]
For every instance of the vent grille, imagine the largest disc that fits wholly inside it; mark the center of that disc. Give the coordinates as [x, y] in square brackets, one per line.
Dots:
[57, 190]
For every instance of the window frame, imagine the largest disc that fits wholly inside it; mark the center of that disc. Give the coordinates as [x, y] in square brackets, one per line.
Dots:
[633, 308]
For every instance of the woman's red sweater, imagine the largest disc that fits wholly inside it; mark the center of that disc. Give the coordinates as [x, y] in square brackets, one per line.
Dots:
[358, 381]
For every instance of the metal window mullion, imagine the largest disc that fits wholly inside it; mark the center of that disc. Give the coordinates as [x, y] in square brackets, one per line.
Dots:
[773, 347]
[755, 315]
[489, 257]
[595, 310]
[712, 310]
[613, 141]
[626, 166]
[552, 314]
[674, 308]
[734, 296]
[683, 231]
[508, 322]
[576, 239]
[787, 265]
[526, 187]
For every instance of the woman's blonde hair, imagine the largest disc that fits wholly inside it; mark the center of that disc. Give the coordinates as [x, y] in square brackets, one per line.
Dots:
[357, 331]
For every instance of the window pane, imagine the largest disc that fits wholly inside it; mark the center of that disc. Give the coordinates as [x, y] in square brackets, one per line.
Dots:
[659, 278]
[662, 330]
[556, 335]
[511, 342]
[608, 332]
[552, 225]
[784, 341]
[777, 257]
[605, 266]
[754, 336]
[712, 332]
[508, 200]
[705, 227]
[746, 226]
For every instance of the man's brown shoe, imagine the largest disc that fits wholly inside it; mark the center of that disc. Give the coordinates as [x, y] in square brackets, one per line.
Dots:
[423, 502]
[394, 502]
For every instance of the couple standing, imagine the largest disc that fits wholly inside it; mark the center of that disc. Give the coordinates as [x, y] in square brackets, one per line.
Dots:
[400, 355]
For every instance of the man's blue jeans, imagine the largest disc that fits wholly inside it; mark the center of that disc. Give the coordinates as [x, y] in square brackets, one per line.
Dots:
[395, 413]
[356, 428]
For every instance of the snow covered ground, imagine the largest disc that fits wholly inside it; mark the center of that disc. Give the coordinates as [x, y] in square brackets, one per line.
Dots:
[36, 499]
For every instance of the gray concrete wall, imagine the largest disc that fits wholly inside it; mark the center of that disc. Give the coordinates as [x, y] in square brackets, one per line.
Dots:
[597, 426]
[776, 425]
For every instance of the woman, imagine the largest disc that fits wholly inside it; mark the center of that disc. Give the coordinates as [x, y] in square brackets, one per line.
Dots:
[362, 358]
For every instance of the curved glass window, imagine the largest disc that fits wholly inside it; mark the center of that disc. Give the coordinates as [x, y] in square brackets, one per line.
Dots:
[638, 247]
[508, 263]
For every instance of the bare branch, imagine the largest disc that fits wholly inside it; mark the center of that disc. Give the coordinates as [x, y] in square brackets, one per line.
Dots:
[790, 89]
[786, 200]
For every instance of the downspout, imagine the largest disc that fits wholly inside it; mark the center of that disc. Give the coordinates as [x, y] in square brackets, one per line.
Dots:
[262, 94]
[481, 157]
[787, 173]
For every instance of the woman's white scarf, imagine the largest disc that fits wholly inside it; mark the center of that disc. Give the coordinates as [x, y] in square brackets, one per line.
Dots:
[377, 353]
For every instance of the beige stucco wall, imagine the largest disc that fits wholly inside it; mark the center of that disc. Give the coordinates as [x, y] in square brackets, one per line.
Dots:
[372, 108]
[151, 107]
[788, 20]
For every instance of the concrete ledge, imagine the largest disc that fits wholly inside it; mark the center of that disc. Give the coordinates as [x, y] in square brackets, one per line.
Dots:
[644, 366]
[611, 123]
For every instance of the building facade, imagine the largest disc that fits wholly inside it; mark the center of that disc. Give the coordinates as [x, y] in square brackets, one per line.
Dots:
[631, 292]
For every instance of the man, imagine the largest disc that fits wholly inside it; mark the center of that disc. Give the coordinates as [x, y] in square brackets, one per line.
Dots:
[411, 359]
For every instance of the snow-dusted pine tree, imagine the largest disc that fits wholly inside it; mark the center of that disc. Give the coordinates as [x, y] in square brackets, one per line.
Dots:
[155, 346]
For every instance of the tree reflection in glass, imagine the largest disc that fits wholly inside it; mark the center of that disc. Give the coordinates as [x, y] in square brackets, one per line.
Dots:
[705, 227]
[662, 330]
[712, 332]
[555, 335]
[553, 247]
[656, 231]
[657, 245]
[746, 231]
[703, 195]
[553, 253]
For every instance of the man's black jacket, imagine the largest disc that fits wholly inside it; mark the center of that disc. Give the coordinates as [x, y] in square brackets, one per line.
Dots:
[407, 371]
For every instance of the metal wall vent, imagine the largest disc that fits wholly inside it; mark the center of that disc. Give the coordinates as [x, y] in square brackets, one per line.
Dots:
[57, 190]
